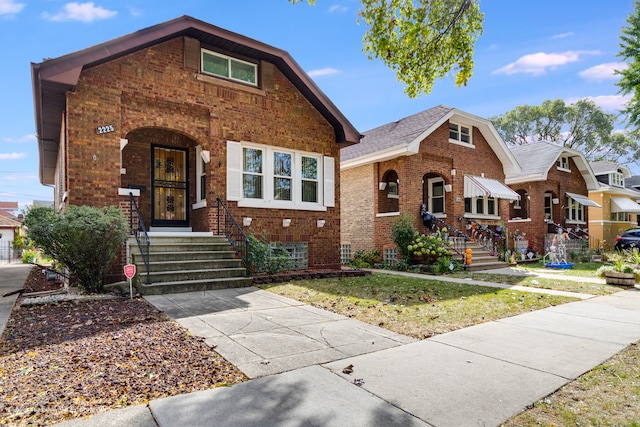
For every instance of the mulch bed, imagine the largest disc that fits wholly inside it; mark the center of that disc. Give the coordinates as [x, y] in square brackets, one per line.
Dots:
[77, 358]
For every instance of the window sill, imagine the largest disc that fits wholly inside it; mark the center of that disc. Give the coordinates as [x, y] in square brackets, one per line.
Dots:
[392, 196]
[220, 81]
[575, 222]
[563, 169]
[201, 204]
[261, 204]
[462, 144]
[385, 214]
[481, 216]
[519, 220]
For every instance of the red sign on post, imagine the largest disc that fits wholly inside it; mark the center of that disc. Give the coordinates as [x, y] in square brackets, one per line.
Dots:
[130, 270]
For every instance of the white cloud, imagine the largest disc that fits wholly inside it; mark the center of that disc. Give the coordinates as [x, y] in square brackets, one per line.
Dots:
[562, 35]
[10, 7]
[606, 102]
[539, 63]
[323, 72]
[83, 12]
[12, 156]
[602, 72]
[337, 8]
[27, 138]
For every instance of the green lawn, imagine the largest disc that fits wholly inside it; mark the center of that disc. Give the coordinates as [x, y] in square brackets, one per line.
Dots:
[413, 306]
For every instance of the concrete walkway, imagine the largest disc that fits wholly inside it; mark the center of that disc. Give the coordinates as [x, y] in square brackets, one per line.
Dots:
[297, 355]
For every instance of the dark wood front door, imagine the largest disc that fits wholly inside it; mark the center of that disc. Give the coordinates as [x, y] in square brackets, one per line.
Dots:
[170, 183]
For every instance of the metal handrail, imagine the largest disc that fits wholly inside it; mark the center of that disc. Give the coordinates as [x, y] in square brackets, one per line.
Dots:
[569, 232]
[144, 250]
[233, 233]
[489, 240]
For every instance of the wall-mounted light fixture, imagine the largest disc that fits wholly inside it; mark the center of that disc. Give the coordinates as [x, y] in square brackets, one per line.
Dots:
[321, 223]
[447, 188]
[246, 221]
[286, 222]
[382, 186]
[206, 156]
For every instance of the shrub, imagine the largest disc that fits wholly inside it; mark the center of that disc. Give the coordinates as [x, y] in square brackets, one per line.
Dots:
[428, 249]
[265, 257]
[84, 239]
[366, 259]
[29, 255]
[403, 232]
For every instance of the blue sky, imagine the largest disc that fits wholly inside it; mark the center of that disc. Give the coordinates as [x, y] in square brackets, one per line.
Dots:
[529, 52]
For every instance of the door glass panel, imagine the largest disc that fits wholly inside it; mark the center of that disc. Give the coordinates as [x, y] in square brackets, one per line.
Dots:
[169, 184]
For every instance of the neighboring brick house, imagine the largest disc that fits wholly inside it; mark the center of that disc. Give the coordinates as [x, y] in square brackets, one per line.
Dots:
[184, 112]
[620, 209]
[453, 161]
[554, 187]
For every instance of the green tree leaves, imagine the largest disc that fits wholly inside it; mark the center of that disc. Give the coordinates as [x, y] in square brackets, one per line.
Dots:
[629, 83]
[582, 126]
[422, 40]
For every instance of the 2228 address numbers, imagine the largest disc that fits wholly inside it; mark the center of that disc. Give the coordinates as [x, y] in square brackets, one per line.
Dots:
[106, 129]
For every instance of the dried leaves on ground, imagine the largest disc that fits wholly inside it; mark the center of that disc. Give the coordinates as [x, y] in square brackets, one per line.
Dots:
[78, 358]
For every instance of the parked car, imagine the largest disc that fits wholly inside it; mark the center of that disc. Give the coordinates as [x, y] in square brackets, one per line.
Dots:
[629, 239]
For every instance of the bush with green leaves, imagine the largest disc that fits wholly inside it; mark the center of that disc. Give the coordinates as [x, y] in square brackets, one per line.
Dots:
[267, 257]
[403, 232]
[84, 239]
[366, 259]
[428, 249]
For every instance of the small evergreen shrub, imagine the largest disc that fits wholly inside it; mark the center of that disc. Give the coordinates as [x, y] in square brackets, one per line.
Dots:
[403, 232]
[267, 257]
[366, 259]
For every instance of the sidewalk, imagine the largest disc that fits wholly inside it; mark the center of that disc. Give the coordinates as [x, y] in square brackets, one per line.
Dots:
[482, 375]
[12, 277]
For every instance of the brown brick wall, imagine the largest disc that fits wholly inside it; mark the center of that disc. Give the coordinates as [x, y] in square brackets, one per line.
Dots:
[436, 157]
[151, 98]
[357, 201]
[558, 183]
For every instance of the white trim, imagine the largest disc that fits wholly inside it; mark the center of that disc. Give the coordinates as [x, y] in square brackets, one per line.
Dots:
[571, 221]
[126, 191]
[385, 214]
[199, 205]
[462, 144]
[229, 59]
[519, 220]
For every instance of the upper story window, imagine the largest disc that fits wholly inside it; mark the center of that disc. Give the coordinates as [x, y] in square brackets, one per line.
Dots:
[229, 68]
[563, 163]
[459, 133]
[617, 179]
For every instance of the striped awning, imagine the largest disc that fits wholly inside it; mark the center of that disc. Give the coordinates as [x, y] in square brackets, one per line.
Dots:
[583, 200]
[621, 204]
[479, 186]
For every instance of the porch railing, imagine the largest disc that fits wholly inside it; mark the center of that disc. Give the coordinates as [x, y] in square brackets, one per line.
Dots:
[587, 240]
[484, 236]
[143, 246]
[228, 226]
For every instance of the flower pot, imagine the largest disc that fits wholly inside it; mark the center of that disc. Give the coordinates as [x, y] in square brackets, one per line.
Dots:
[616, 278]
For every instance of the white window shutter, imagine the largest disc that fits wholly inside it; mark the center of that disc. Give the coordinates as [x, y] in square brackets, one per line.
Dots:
[329, 182]
[234, 170]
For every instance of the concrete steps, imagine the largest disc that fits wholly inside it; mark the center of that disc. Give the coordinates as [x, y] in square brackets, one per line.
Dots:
[481, 259]
[187, 262]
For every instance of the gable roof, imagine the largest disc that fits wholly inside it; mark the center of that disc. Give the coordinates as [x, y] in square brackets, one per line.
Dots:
[53, 78]
[403, 138]
[604, 168]
[537, 158]
[6, 222]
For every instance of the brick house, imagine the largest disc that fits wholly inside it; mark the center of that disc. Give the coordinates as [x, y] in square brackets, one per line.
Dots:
[182, 113]
[554, 187]
[619, 208]
[451, 160]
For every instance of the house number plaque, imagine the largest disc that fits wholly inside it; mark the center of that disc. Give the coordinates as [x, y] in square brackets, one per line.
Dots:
[105, 129]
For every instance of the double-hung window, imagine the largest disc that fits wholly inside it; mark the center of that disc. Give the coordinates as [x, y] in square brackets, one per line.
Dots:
[271, 177]
[459, 133]
[575, 211]
[201, 180]
[230, 68]
[481, 206]
[563, 163]
[617, 179]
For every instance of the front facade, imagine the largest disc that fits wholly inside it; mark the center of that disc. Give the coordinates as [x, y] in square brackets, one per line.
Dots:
[619, 208]
[183, 113]
[453, 162]
[554, 187]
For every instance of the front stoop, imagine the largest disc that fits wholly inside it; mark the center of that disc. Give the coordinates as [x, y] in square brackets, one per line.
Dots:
[187, 262]
[481, 259]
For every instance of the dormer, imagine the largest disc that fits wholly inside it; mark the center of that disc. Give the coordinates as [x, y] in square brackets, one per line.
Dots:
[610, 173]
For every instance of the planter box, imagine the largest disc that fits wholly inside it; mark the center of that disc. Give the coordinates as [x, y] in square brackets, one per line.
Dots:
[615, 278]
